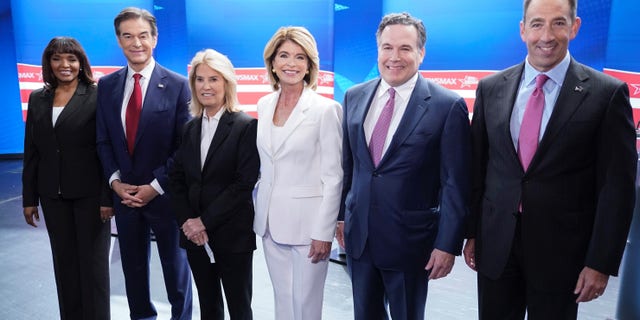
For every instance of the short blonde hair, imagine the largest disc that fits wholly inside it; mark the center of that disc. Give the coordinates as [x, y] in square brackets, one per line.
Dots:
[221, 64]
[302, 37]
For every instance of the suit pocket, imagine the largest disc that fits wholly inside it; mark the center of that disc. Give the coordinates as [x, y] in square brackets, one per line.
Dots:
[306, 191]
[420, 219]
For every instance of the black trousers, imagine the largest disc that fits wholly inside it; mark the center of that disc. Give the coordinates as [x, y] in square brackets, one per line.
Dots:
[234, 272]
[80, 248]
[510, 296]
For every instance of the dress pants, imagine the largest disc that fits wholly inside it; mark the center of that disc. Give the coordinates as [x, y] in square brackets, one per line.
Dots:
[234, 271]
[373, 288]
[510, 296]
[298, 284]
[80, 248]
[134, 236]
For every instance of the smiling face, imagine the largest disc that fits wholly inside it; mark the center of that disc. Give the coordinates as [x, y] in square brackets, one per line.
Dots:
[210, 88]
[398, 54]
[290, 63]
[137, 42]
[547, 30]
[65, 67]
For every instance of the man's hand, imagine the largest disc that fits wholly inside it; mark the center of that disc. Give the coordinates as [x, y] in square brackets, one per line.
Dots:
[29, 214]
[126, 192]
[319, 250]
[340, 233]
[469, 253]
[591, 284]
[145, 193]
[440, 264]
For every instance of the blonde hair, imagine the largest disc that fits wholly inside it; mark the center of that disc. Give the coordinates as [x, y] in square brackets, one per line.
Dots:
[221, 64]
[302, 37]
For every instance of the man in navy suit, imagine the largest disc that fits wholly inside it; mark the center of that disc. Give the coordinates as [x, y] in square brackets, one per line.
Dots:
[136, 156]
[405, 194]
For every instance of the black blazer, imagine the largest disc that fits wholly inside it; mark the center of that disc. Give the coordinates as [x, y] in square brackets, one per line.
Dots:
[220, 193]
[62, 159]
[578, 192]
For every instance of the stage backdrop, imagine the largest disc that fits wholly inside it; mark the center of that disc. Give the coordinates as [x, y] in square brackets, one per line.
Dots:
[467, 40]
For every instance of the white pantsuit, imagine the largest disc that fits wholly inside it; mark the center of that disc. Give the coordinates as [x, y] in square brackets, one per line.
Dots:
[298, 197]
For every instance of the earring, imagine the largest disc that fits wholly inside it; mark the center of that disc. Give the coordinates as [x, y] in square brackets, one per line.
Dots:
[273, 70]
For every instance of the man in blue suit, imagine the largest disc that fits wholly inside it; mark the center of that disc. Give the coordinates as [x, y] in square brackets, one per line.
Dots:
[140, 113]
[405, 194]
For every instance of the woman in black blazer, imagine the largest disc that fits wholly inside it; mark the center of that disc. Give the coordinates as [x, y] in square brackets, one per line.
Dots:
[211, 180]
[63, 174]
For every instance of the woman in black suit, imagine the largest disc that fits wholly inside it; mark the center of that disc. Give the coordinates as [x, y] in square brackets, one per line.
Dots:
[211, 180]
[62, 173]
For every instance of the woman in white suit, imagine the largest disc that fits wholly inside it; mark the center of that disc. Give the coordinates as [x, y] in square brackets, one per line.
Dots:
[298, 193]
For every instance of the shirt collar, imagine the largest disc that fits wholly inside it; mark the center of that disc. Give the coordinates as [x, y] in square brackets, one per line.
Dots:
[404, 90]
[216, 116]
[557, 74]
[146, 72]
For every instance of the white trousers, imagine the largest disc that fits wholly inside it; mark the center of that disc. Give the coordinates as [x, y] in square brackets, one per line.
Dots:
[298, 284]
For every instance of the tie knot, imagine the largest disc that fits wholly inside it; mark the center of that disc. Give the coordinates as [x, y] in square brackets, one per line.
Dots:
[392, 93]
[540, 80]
[137, 76]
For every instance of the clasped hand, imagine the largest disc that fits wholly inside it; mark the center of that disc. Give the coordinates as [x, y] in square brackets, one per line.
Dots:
[134, 196]
[195, 231]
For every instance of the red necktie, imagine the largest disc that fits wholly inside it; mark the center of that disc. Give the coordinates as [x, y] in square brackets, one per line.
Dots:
[133, 112]
[379, 135]
[530, 128]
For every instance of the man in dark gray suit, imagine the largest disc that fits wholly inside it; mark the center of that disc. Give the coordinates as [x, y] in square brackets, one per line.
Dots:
[550, 210]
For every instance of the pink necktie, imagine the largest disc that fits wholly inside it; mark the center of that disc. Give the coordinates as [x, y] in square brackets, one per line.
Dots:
[133, 112]
[379, 135]
[530, 128]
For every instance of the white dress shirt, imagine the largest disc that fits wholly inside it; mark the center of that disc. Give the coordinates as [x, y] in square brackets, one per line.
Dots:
[209, 127]
[403, 94]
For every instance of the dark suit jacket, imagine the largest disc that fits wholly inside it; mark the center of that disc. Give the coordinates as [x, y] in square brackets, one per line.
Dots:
[220, 193]
[416, 199]
[62, 159]
[578, 193]
[164, 112]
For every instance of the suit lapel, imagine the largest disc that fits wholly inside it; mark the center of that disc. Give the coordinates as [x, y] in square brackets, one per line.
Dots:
[267, 121]
[223, 130]
[417, 107]
[296, 117]
[505, 99]
[574, 90]
[117, 96]
[155, 89]
[363, 101]
[75, 103]
[196, 136]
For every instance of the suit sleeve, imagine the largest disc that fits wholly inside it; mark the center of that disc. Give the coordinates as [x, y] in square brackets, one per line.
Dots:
[103, 139]
[455, 156]
[181, 117]
[30, 161]
[246, 172]
[479, 157]
[347, 160]
[331, 174]
[178, 183]
[616, 171]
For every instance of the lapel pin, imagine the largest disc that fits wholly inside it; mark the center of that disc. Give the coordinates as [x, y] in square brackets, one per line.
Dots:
[577, 89]
[160, 85]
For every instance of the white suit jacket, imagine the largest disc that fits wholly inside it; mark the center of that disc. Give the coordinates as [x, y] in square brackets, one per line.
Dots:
[298, 194]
